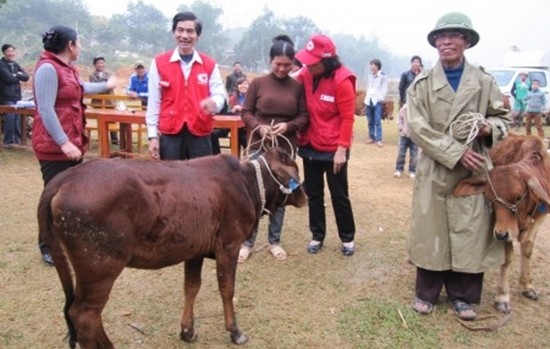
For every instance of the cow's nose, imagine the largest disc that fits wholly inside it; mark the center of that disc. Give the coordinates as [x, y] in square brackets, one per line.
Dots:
[502, 236]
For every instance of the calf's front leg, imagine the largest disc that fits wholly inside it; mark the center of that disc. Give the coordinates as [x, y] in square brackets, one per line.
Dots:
[502, 298]
[525, 265]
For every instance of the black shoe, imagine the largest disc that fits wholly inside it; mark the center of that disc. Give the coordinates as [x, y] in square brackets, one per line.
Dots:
[313, 249]
[348, 251]
[47, 259]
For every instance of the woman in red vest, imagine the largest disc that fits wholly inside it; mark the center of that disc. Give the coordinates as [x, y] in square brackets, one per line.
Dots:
[58, 137]
[325, 145]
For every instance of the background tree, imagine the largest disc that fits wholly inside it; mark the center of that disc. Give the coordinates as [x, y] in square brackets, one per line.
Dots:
[147, 27]
[299, 29]
[253, 49]
[23, 22]
[143, 31]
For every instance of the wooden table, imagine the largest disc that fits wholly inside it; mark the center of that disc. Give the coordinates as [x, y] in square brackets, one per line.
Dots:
[128, 118]
[23, 112]
[233, 123]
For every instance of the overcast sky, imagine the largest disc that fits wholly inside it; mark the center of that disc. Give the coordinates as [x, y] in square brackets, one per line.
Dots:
[401, 25]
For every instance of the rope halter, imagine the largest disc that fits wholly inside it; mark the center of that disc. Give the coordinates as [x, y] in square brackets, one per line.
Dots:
[292, 184]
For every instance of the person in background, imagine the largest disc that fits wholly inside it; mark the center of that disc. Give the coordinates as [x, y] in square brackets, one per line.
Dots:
[138, 86]
[231, 81]
[236, 103]
[11, 75]
[450, 242]
[377, 89]
[407, 78]
[405, 143]
[325, 145]
[275, 106]
[185, 91]
[519, 91]
[102, 74]
[59, 140]
[536, 102]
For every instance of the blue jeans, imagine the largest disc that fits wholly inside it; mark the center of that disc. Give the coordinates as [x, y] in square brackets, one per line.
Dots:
[275, 220]
[273, 231]
[374, 119]
[12, 126]
[404, 144]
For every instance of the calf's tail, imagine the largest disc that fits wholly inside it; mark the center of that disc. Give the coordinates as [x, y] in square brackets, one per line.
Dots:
[61, 262]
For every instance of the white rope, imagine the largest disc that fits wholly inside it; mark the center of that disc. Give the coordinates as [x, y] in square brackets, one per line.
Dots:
[266, 141]
[285, 190]
[466, 127]
[260, 181]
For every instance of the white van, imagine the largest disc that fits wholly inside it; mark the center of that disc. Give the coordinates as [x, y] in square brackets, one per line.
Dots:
[535, 63]
[506, 77]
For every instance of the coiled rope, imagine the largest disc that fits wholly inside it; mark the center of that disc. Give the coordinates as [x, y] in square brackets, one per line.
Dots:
[266, 141]
[466, 127]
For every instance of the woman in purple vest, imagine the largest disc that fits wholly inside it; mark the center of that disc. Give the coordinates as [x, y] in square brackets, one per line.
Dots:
[58, 137]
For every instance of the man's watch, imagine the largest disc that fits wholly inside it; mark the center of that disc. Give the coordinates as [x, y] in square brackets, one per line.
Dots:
[150, 138]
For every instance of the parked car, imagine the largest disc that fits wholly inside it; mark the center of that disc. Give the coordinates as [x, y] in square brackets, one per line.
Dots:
[506, 77]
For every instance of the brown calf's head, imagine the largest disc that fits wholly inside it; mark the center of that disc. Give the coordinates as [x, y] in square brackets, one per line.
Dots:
[514, 194]
[287, 176]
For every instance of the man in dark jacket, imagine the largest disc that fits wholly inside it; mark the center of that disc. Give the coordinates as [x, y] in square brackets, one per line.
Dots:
[407, 78]
[10, 92]
[231, 81]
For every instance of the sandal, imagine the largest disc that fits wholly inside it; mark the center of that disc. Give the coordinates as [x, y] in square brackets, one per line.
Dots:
[464, 310]
[277, 252]
[422, 307]
[244, 253]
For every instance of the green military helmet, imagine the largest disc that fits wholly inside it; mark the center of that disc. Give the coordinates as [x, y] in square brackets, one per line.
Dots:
[455, 21]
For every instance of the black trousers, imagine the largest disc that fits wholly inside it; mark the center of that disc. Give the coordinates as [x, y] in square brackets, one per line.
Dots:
[49, 170]
[463, 286]
[314, 173]
[184, 146]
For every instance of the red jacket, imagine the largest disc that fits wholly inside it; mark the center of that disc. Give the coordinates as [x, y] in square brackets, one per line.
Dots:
[331, 110]
[69, 108]
[180, 98]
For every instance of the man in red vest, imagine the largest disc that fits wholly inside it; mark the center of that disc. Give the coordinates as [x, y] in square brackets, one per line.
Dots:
[185, 90]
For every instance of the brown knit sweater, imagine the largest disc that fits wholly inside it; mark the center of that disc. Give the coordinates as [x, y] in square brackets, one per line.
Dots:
[279, 100]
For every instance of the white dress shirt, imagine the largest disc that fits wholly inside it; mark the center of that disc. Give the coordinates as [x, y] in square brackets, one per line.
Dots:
[377, 88]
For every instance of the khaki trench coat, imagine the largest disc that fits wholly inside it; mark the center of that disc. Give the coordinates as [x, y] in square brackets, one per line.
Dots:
[450, 233]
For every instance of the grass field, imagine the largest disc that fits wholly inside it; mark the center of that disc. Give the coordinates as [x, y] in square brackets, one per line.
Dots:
[307, 301]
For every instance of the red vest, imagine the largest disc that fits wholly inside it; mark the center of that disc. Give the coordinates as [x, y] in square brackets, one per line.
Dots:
[69, 108]
[180, 99]
[323, 132]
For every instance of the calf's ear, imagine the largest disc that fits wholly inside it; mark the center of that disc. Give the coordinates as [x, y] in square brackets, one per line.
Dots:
[536, 188]
[470, 186]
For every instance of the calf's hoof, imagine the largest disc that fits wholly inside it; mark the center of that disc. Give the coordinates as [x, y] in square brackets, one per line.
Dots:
[238, 338]
[188, 335]
[531, 294]
[503, 307]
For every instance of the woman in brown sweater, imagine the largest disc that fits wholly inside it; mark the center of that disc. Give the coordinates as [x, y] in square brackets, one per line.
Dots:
[274, 106]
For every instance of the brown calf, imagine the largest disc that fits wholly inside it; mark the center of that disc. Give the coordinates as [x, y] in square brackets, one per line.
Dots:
[518, 190]
[105, 215]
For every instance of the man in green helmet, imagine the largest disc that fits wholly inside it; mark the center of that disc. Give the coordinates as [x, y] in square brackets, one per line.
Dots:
[450, 242]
